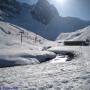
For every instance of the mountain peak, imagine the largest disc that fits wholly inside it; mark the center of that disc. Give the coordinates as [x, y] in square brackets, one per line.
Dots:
[43, 11]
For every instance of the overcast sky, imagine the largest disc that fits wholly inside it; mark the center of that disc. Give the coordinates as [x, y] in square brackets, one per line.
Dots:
[74, 8]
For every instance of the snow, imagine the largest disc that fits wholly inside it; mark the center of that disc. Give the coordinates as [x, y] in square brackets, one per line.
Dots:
[73, 75]
[69, 75]
[24, 57]
[13, 53]
[81, 34]
[24, 64]
[59, 59]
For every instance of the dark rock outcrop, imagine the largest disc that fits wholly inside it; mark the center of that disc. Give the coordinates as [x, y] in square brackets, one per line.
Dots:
[9, 8]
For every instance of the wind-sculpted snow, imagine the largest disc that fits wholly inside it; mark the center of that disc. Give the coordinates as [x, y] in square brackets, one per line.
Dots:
[72, 75]
[24, 57]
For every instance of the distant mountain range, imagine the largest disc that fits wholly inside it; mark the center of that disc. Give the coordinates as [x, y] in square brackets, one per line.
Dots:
[41, 18]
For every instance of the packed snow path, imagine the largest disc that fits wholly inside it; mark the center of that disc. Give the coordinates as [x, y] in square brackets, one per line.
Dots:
[72, 75]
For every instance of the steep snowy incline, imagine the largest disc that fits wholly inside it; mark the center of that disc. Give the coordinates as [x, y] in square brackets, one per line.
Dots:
[81, 34]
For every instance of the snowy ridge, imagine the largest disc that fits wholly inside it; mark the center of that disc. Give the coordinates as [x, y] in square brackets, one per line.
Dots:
[81, 34]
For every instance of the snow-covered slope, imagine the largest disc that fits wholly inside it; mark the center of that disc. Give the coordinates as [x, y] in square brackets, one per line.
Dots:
[43, 19]
[72, 75]
[14, 32]
[13, 52]
[81, 34]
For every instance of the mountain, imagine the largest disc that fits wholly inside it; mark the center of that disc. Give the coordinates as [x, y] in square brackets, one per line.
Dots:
[43, 12]
[43, 19]
[82, 34]
[8, 8]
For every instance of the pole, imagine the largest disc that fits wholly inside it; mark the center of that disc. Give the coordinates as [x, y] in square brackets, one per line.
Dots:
[21, 38]
[21, 33]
